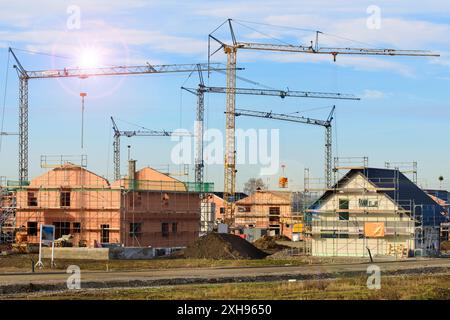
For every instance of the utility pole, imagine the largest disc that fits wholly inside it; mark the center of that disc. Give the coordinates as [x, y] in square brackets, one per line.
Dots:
[82, 95]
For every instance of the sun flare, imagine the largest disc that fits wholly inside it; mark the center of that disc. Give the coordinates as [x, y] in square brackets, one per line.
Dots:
[89, 58]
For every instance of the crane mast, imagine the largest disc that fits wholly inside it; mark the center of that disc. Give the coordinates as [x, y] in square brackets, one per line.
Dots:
[231, 51]
[230, 149]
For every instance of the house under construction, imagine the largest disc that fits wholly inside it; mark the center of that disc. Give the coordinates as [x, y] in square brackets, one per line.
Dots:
[273, 212]
[371, 211]
[147, 208]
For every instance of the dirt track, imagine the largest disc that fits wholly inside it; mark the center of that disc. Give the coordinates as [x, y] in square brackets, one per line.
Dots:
[16, 283]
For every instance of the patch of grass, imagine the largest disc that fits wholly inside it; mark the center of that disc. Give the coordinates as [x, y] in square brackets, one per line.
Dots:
[392, 288]
[22, 263]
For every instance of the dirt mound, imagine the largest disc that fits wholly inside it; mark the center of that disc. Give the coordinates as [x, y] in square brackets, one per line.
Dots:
[268, 244]
[222, 246]
[445, 245]
[281, 238]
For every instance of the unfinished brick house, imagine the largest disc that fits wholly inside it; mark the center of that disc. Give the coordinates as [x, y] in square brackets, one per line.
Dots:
[147, 208]
[215, 199]
[274, 211]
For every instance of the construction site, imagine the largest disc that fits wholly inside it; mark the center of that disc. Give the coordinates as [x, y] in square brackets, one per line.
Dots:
[351, 212]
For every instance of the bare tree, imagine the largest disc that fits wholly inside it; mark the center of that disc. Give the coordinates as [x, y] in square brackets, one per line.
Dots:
[254, 184]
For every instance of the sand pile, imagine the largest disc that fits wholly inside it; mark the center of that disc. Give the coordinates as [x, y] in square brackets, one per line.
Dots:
[222, 246]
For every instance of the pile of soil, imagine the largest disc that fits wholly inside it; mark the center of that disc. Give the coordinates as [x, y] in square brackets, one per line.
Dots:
[222, 246]
[268, 244]
[445, 246]
[281, 238]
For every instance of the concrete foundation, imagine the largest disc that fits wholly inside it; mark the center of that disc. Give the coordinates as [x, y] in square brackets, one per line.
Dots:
[75, 253]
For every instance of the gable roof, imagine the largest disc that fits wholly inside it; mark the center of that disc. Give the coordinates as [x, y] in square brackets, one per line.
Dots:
[402, 190]
[69, 174]
[266, 197]
[151, 174]
[150, 179]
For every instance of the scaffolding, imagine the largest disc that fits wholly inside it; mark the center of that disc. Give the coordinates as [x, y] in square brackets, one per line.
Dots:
[313, 188]
[54, 161]
[94, 212]
[167, 169]
[356, 217]
[7, 212]
[407, 168]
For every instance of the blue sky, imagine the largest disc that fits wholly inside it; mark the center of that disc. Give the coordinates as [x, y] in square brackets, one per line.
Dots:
[403, 115]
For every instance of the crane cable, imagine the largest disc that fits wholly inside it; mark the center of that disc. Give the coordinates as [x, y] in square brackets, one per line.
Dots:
[134, 124]
[312, 109]
[43, 53]
[264, 34]
[335, 128]
[4, 98]
[181, 98]
[300, 29]
[108, 154]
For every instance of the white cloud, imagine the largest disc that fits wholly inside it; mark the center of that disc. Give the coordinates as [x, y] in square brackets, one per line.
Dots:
[114, 42]
[345, 18]
[259, 9]
[373, 94]
[394, 32]
[444, 60]
[24, 13]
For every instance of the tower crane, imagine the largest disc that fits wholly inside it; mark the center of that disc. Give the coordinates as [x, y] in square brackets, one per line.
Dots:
[202, 89]
[230, 49]
[305, 120]
[82, 73]
[132, 133]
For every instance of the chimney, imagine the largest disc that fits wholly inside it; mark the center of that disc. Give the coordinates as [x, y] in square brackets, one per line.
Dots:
[132, 174]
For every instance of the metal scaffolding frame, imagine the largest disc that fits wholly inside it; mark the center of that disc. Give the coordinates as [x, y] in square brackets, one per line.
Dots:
[404, 167]
[406, 225]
